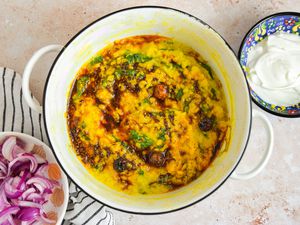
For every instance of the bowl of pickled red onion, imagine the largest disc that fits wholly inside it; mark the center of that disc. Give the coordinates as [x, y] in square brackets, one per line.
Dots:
[33, 188]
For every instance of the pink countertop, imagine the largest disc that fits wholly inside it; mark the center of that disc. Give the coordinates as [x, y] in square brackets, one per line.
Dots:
[273, 197]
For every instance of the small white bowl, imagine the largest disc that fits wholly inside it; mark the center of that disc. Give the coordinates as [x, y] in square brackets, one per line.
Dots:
[30, 142]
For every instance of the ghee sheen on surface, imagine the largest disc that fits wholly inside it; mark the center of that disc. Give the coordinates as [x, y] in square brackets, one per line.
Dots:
[274, 69]
[147, 115]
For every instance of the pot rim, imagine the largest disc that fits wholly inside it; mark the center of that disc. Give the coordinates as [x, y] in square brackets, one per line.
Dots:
[89, 25]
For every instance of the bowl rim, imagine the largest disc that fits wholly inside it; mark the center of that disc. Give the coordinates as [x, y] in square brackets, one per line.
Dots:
[50, 151]
[240, 53]
[103, 17]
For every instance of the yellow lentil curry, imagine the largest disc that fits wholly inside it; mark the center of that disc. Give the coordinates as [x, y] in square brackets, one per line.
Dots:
[146, 115]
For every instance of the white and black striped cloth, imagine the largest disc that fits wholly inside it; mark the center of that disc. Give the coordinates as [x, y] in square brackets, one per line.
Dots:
[15, 115]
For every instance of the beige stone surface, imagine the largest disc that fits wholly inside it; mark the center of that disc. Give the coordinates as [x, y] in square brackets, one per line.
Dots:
[273, 197]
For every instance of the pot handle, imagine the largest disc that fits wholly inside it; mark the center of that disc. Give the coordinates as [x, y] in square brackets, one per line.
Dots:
[267, 153]
[32, 101]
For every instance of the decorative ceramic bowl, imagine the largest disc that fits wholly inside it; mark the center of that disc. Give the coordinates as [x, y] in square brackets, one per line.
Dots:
[284, 22]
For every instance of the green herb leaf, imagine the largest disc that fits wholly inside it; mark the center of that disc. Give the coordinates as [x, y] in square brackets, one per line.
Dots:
[146, 101]
[201, 149]
[84, 136]
[166, 49]
[141, 76]
[116, 138]
[95, 60]
[162, 134]
[208, 68]
[104, 82]
[146, 142]
[141, 172]
[125, 145]
[204, 107]
[137, 58]
[176, 65]
[131, 72]
[118, 73]
[141, 139]
[186, 105]
[214, 94]
[160, 146]
[134, 135]
[164, 178]
[83, 125]
[179, 94]
[142, 192]
[81, 85]
[99, 167]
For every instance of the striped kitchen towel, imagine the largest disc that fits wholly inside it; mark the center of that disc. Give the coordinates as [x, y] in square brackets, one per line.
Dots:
[15, 115]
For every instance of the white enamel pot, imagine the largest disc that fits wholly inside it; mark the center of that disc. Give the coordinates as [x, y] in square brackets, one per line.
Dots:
[137, 21]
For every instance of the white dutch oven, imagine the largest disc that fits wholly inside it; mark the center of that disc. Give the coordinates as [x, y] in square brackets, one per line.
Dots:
[137, 21]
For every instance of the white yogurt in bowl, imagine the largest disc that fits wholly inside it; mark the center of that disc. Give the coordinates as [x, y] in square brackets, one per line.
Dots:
[274, 69]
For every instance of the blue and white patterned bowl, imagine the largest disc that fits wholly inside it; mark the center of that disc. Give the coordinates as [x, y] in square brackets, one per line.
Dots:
[285, 22]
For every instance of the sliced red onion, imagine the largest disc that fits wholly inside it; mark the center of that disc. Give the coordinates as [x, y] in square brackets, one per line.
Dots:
[3, 199]
[23, 179]
[28, 214]
[34, 196]
[39, 159]
[7, 212]
[39, 187]
[28, 222]
[25, 157]
[3, 168]
[11, 220]
[18, 167]
[21, 143]
[41, 183]
[8, 146]
[48, 191]
[17, 151]
[25, 203]
[14, 187]
[24, 184]
[27, 192]
[42, 170]
[11, 191]
[8, 221]
[2, 176]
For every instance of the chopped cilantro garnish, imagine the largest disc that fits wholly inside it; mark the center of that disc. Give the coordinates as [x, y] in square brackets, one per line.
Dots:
[97, 59]
[134, 135]
[140, 172]
[83, 125]
[186, 105]
[164, 178]
[176, 65]
[146, 101]
[162, 134]
[137, 58]
[118, 73]
[179, 94]
[81, 85]
[131, 72]
[142, 140]
[214, 94]
[208, 68]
